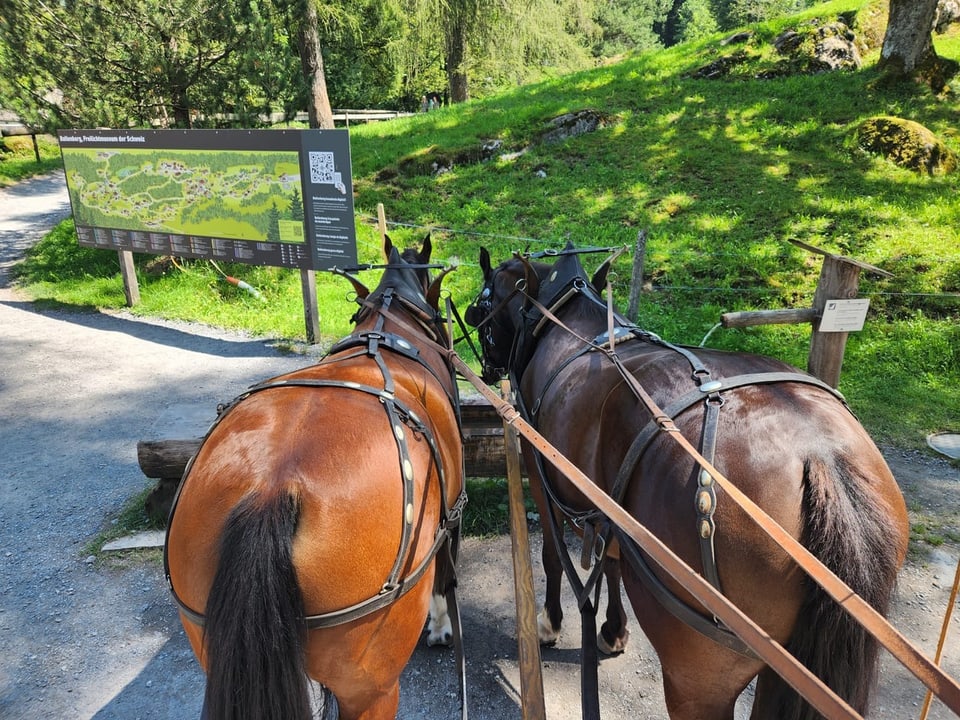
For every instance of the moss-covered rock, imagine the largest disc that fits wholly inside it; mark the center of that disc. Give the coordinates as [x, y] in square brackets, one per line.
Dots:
[906, 143]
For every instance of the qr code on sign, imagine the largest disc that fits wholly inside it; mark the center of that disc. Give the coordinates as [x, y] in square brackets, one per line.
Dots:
[321, 168]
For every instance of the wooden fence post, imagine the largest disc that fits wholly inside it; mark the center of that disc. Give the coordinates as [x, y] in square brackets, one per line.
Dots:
[839, 280]
[311, 312]
[636, 276]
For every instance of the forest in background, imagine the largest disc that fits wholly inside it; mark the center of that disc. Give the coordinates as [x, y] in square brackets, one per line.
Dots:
[202, 63]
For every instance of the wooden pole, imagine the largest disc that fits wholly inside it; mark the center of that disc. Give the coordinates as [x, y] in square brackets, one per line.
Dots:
[532, 703]
[943, 637]
[311, 311]
[131, 289]
[749, 318]
[636, 277]
[382, 224]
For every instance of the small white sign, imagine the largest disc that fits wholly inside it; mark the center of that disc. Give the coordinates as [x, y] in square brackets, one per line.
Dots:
[844, 315]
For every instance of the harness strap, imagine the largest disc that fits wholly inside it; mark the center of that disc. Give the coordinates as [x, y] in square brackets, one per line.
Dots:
[706, 497]
[589, 659]
[386, 596]
[393, 588]
[688, 400]
[398, 415]
[709, 627]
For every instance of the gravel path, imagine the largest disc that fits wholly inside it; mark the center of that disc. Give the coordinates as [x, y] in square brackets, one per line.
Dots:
[100, 639]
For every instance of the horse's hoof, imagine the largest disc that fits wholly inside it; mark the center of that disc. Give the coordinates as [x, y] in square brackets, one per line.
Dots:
[547, 635]
[439, 628]
[443, 638]
[618, 646]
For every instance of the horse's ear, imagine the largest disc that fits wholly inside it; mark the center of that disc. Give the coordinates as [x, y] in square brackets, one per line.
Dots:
[485, 264]
[358, 287]
[387, 246]
[600, 277]
[433, 292]
[425, 250]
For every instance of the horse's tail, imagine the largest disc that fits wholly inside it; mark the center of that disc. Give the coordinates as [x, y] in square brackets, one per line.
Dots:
[851, 531]
[255, 634]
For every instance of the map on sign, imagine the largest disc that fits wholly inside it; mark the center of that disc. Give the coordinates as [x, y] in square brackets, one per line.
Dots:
[227, 193]
[263, 197]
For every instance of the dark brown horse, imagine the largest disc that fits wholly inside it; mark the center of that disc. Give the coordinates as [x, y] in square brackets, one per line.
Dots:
[784, 438]
[319, 513]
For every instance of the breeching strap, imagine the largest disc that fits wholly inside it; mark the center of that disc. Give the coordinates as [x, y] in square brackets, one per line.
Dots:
[771, 652]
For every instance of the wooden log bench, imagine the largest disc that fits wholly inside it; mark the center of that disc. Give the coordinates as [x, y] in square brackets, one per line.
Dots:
[165, 459]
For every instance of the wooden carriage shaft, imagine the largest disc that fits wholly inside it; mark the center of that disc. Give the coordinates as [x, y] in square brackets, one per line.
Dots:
[533, 705]
[768, 649]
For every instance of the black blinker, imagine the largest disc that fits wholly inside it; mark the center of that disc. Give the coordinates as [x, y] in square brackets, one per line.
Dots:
[473, 315]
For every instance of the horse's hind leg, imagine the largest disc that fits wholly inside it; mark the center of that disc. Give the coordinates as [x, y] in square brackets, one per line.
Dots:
[440, 627]
[383, 708]
[613, 635]
[701, 680]
[551, 616]
[684, 704]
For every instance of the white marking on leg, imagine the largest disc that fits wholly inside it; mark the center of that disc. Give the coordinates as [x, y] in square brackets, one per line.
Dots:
[440, 630]
[545, 630]
[618, 646]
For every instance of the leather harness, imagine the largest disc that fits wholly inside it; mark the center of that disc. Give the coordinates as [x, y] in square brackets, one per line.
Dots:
[598, 531]
[368, 343]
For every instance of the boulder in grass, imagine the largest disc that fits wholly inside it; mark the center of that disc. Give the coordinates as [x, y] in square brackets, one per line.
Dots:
[907, 144]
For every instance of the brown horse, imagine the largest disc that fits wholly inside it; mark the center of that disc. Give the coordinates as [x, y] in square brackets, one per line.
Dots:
[783, 437]
[318, 514]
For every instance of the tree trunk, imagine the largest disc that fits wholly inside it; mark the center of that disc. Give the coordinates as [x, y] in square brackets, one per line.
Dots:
[311, 60]
[908, 43]
[455, 51]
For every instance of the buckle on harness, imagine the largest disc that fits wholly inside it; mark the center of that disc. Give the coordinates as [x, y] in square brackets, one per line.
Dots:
[594, 547]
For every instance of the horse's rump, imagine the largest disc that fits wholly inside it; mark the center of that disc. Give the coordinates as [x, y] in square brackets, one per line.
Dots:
[347, 480]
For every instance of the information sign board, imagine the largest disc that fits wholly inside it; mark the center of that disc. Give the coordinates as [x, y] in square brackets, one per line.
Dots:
[844, 315]
[263, 197]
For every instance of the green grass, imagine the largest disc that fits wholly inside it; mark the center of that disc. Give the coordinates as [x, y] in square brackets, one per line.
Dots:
[18, 160]
[722, 174]
[130, 518]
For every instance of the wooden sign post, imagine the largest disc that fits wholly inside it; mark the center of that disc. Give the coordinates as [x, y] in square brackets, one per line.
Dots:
[839, 280]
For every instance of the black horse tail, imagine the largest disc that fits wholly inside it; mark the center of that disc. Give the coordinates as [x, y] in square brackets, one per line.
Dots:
[255, 632]
[849, 529]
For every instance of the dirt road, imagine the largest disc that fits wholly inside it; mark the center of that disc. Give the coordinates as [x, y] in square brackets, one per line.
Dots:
[84, 639]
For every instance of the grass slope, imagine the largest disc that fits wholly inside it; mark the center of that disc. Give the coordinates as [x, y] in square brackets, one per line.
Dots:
[720, 173]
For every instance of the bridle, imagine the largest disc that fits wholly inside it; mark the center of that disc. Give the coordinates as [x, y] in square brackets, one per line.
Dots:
[486, 318]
